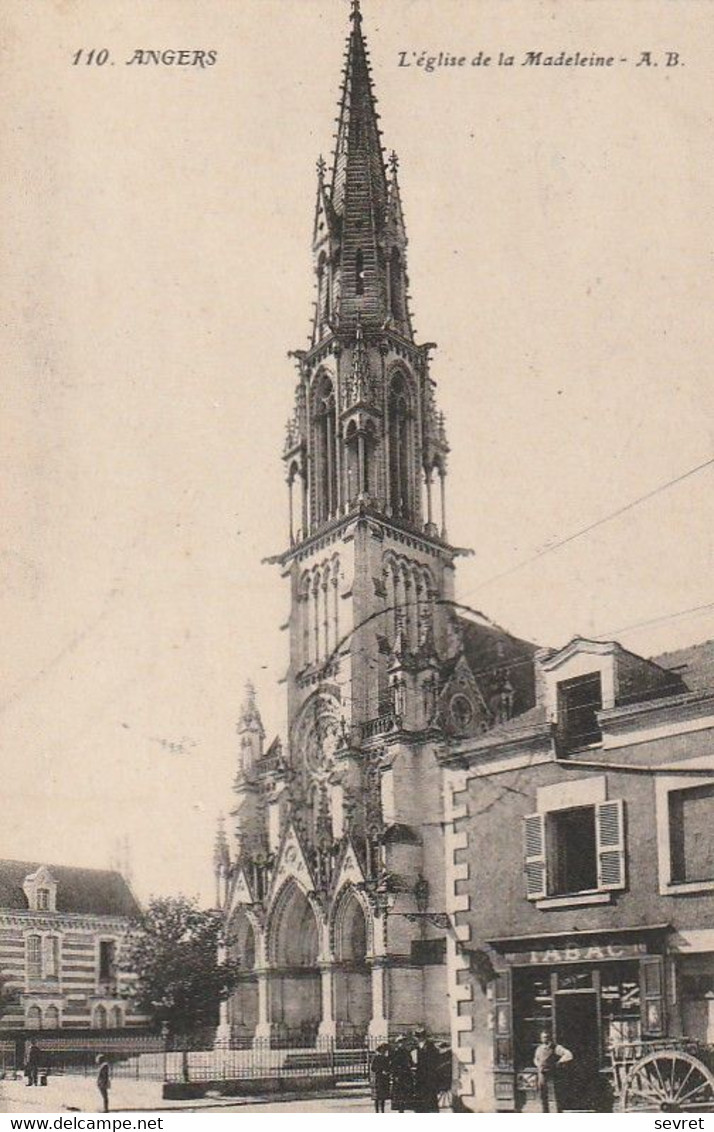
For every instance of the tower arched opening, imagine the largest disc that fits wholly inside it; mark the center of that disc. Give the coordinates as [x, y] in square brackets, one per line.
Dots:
[400, 448]
[325, 447]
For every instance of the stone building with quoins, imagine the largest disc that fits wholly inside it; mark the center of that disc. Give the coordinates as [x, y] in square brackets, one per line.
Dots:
[592, 914]
[61, 935]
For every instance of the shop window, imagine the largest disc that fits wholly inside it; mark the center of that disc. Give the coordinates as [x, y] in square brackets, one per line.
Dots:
[579, 701]
[575, 851]
[691, 813]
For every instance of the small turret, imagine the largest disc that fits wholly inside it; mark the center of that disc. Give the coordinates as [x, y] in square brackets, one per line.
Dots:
[247, 812]
[221, 861]
[251, 733]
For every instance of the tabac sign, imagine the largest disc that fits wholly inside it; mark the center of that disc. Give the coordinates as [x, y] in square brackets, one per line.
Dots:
[574, 953]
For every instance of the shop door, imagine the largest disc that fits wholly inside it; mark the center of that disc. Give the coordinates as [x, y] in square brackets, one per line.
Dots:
[577, 1028]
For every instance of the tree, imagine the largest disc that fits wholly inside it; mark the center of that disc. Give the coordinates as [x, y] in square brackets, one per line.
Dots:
[175, 953]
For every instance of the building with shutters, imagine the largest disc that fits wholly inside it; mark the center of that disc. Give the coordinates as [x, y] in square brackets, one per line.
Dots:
[580, 867]
[61, 936]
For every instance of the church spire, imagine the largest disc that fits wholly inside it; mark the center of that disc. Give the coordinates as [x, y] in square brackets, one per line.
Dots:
[358, 160]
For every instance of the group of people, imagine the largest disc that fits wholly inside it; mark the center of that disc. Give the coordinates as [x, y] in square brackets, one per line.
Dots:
[409, 1072]
[34, 1058]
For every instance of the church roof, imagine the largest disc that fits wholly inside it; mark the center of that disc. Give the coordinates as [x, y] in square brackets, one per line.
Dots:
[100, 892]
[493, 654]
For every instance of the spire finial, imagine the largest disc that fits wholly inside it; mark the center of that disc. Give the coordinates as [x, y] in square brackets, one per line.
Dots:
[393, 163]
[321, 167]
[355, 14]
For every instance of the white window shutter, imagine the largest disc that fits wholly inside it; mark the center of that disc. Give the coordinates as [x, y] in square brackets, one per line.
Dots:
[535, 862]
[610, 833]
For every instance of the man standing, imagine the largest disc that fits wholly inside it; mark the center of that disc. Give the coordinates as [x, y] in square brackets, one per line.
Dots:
[548, 1059]
[426, 1075]
[103, 1080]
[32, 1064]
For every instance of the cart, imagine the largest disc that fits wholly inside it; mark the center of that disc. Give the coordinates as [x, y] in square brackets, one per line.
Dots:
[664, 1075]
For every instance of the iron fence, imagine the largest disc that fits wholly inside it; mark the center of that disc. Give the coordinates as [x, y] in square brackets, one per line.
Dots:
[8, 1058]
[323, 1063]
[288, 1056]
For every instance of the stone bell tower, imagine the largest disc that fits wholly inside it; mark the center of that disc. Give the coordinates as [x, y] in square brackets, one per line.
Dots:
[338, 875]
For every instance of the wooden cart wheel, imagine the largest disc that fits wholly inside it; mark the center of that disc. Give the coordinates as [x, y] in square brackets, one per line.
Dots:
[669, 1080]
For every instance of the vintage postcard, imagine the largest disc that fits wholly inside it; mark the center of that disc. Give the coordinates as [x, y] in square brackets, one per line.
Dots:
[357, 733]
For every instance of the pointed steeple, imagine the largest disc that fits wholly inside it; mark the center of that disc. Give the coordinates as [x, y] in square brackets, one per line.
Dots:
[359, 192]
[358, 159]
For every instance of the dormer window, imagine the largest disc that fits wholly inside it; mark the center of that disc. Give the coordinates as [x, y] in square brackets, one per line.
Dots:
[578, 702]
[40, 889]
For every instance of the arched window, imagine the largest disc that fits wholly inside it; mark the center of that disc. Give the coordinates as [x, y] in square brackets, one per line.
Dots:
[396, 285]
[116, 1021]
[359, 272]
[400, 455]
[52, 1018]
[33, 1018]
[34, 957]
[99, 1020]
[326, 451]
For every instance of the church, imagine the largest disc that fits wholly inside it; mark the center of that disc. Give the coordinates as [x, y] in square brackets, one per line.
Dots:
[332, 875]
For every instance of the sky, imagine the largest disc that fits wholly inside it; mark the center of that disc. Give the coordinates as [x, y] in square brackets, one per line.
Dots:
[156, 269]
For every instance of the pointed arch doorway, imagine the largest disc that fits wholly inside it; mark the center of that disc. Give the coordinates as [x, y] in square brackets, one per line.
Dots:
[352, 972]
[295, 986]
[243, 1008]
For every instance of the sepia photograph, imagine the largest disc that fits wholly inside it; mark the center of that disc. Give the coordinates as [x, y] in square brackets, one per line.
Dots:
[357, 730]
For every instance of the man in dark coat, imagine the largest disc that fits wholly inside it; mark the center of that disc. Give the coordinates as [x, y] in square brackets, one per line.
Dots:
[32, 1064]
[103, 1080]
[400, 1071]
[426, 1076]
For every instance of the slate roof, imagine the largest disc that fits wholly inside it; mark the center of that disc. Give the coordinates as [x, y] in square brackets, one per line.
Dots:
[695, 665]
[492, 654]
[99, 892]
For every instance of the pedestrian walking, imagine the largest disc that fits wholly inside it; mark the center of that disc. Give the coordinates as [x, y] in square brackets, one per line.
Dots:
[32, 1063]
[380, 1077]
[103, 1080]
[402, 1078]
[427, 1062]
[549, 1059]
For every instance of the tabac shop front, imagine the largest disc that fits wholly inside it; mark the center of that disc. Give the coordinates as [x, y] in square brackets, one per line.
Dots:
[591, 990]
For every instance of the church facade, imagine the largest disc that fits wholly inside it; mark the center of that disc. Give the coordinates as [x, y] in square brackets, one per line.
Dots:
[332, 875]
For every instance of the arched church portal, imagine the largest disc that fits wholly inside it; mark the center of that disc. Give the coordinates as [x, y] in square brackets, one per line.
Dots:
[353, 975]
[243, 1007]
[295, 990]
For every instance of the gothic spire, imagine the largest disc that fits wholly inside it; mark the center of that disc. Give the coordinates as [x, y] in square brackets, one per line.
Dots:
[358, 162]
